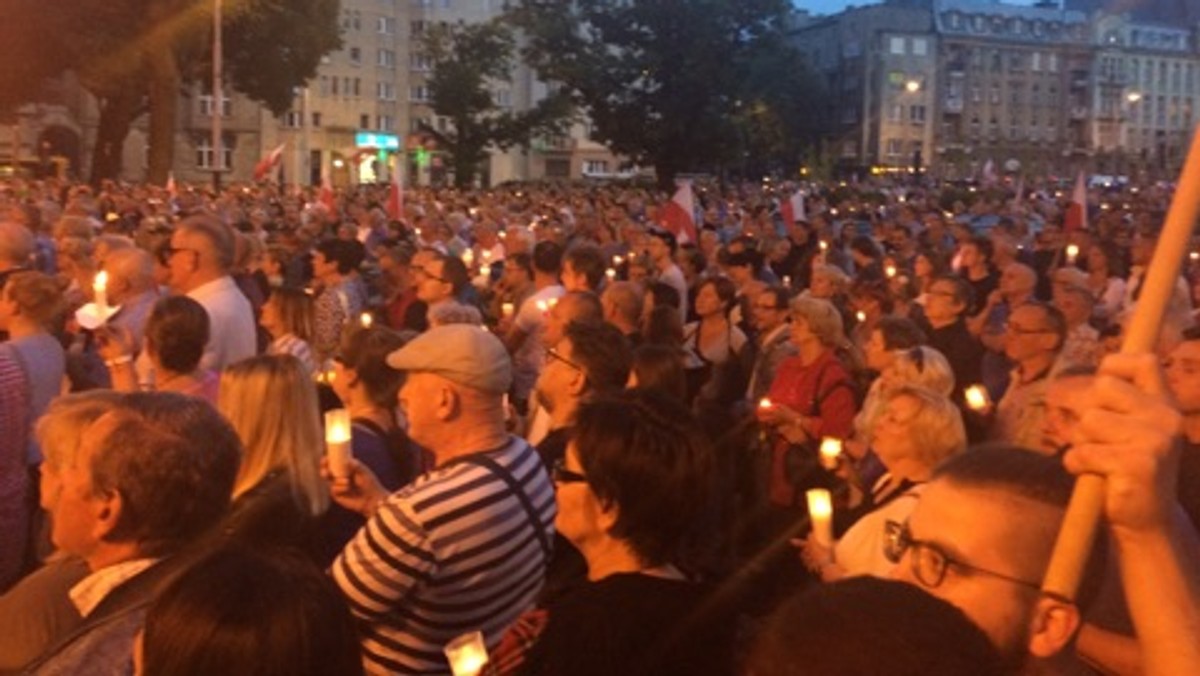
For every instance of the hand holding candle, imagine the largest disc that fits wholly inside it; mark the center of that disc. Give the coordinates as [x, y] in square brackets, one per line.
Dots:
[831, 452]
[337, 442]
[820, 512]
[1072, 253]
[977, 398]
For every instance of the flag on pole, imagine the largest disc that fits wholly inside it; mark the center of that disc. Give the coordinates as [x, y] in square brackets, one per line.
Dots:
[326, 195]
[989, 173]
[679, 214]
[1076, 216]
[793, 209]
[269, 161]
[395, 201]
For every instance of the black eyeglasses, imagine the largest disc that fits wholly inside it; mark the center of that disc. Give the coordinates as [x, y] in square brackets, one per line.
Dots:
[166, 252]
[552, 355]
[929, 563]
[427, 273]
[562, 475]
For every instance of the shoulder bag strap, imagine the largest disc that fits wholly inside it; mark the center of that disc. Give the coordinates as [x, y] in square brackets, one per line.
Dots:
[506, 476]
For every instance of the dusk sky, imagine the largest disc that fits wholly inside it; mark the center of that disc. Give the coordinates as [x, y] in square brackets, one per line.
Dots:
[832, 6]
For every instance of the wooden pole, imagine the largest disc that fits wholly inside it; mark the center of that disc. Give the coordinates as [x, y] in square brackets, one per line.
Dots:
[1087, 502]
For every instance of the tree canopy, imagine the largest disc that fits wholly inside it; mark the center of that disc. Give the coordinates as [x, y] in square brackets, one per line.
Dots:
[468, 62]
[692, 85]
[136, 56]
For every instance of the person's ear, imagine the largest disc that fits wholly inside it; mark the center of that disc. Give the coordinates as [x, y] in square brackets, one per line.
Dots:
[609, 514]
[1052, 626]
[107, 511]
[448, 403]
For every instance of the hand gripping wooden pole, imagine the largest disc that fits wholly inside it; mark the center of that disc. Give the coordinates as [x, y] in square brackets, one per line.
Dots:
[1087, 502]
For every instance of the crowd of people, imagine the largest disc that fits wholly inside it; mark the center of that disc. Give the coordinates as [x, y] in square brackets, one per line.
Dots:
[288, 432]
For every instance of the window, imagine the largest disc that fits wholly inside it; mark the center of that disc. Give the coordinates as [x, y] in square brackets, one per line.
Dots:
[916, 114]
[502, 98]
[421, 62]
[386, 123]
[1052, 62]
[206, 105]
[897, 45]
[896, 113]
[419, 94]
[895, 147]
[896, 79]
[323, 86]
[386, 58]
[204, 153]
[364, 121]
[593, 167]
[316, 117]
[386, 25]
[417, 28]
[355, 56]
[920, 46]
[1035, 62]
[385, 91]
[333, 81]
[357, 86]
[292, 119]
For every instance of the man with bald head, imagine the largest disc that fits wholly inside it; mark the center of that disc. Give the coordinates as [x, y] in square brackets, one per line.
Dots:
[16, 247]
[199, 259]
[622, 306]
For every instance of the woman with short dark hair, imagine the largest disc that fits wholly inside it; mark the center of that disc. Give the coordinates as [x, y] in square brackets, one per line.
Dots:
[634, 499]
[176, 332]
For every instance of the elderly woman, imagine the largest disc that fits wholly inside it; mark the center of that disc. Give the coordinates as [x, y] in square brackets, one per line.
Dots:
[632, 498]
[917, 431]
[24, 634]
[813, 395]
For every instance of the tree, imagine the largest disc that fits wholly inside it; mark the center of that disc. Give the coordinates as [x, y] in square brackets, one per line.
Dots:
[682, 86]
[136, 56]
[468, 60]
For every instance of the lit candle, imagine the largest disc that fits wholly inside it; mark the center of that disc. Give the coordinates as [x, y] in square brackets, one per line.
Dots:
[831, 451]
[890, 271]
[468, 258]
[467, 654]
[1194, 256]
[365, 319]
[507, 309]
[820, 512]
[485, 270]
[418, 231]
[100, 289]
[617, 260]
[1072, 253]
[337, 442]
[860, 316]
[824, 246]
[787, 281]
[542, 306]
[977, 397]
[765, 403]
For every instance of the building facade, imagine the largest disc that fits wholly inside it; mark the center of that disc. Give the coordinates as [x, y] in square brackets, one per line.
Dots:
[357, 121]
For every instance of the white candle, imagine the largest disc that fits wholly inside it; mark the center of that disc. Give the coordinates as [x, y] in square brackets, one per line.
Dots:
[468, 258]
[366, 320]
[787, 281]
[467, 654]
[1072, 254]
[100, 289]
[337, 441]
[485, 270]
[765, 403]
[507, 309]
[611, 274]
[617, 260]
[820, 512]
[542, 306]
[831, 452]
[977, 397]
[890, 271]
[860, 316]
[824, 246]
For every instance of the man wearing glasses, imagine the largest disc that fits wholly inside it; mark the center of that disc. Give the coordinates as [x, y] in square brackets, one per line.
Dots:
[1033, 340]
[770, 315]
[199, 258]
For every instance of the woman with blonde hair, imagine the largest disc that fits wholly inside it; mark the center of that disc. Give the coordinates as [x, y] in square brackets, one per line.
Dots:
[278, 493]
[918, 430]
[287, 317]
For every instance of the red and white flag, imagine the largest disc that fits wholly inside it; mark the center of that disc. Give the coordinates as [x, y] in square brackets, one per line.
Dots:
[793, 209]
[395, 201]
[269, 162]
[1076, 216]
[326, 195]
[679, 214]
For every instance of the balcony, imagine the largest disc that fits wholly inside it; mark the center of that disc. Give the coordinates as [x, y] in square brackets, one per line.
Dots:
[952, 106]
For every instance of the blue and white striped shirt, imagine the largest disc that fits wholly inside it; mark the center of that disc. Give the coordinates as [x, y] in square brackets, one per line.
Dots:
[453, 552]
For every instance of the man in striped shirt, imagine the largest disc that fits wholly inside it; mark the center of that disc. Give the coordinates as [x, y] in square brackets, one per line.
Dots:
[464, 547]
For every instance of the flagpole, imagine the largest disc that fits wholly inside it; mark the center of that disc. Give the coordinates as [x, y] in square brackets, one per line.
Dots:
[1074, 543]
[217, 87]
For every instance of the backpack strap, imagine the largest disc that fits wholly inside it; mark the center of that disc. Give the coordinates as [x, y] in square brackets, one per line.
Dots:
[506, 476]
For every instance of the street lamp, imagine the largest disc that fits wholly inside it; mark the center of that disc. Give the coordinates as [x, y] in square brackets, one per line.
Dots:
[1133, 97]
[912, 86]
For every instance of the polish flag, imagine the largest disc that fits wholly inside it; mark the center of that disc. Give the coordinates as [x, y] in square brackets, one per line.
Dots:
[268, 162]
[326, 195]
[395, 201]
[793, 209]
[678, 215]
[1076, 216]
